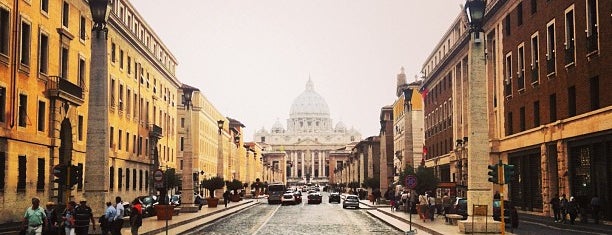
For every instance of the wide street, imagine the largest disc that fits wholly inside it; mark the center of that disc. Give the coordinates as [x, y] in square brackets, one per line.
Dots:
[302, 218]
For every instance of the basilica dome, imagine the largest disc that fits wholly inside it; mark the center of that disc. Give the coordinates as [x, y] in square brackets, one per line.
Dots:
[309, 103]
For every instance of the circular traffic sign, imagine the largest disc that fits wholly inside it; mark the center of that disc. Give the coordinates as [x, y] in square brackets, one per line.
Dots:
[411, 181]
[158, 175]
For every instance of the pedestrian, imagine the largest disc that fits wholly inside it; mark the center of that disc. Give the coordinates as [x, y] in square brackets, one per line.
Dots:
[564, 207]
[83, 215]
[226, 197]
[496, 196]
[573, 209]
[431, 200]
[51, 220]
[392, 202]
[118, 221]
[136, 216]
[106, 221]
[422, 208]
[404, 199]
[34, 218]
[446, 205]
[68, 218]
[595, 207]
[555, 203]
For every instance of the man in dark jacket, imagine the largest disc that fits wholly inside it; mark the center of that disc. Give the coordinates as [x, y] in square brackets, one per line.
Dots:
[83, 215]
[555, 203]
[226, 197]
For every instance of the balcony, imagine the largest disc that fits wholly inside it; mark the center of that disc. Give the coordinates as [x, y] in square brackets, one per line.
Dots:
[592, 43]
[569, 55]
[60, 88]
[156, 131]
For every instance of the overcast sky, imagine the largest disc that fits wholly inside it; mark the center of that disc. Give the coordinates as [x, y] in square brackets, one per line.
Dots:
[252, 58]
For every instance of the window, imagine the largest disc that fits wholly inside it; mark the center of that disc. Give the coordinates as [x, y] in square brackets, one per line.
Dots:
[4, 31]
[569, 35]
[182, 143]
[112, 91]
[139, 180]
[121, 97]
[113, 52]
[112, 139]
[536, 113]
[522, 118]
[139, 145]
[25, 43]
[534, 6]
[43, 54]
[112, 178]
[129, 65]
[550, 47]
[82, 72]
[41, 116]
[121, 59]
[571, 101]
[594, 92]
[128, 105]
[80, 128]
[2, 172]
[44, 6]
[23, 110]
[134, 179]
[146, 179]
[82, 32]
[134, 148]
[119, 140]
[40, 178]
[80, 181]
[535, 58]
[120, 177]
[553, 107]
[21, 174]
[127, 179]
[2, 103]
[509, 124]
[521, 68]
[65, 14]
[508, 77]
[591, 27]
[507, 25]
[64, 63]
[519, 13]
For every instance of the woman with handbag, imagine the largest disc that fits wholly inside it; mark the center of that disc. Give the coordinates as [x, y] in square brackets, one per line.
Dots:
[68, 218]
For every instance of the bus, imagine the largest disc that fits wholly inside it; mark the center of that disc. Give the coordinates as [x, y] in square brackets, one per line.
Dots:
[275, 192]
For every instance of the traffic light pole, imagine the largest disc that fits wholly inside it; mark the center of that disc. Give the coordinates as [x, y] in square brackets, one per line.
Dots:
[500, 179]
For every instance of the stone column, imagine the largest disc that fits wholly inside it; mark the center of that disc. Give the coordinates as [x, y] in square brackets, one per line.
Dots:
[303, 175]
[312, 164]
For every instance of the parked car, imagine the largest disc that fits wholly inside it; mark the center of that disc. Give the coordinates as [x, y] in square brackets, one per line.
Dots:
[351, 201]
[314, 197]
[175, 200]
[334, 197]
[510, 213]
[148, 205]
[460, 207]
[288, 198]
[298, 197]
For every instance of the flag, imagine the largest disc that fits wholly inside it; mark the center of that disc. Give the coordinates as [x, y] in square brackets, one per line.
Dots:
[424, 92]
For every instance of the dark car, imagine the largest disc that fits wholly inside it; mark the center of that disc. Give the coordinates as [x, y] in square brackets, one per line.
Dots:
[460, 207]
[510, 213]
[298, 197]
[334, 197]
[314, 197]
[148, 205]
[351, 201]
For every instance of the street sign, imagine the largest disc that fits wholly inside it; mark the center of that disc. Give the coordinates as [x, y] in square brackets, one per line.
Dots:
[158, 176]
[411, 181]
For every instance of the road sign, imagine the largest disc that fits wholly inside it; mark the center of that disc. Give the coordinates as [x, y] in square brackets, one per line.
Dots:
[411, 181]
[158, 176]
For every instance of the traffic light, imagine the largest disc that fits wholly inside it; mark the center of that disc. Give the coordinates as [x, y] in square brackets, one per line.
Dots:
[59, 171]
[76, 175]
[493, 174]
[508, 173]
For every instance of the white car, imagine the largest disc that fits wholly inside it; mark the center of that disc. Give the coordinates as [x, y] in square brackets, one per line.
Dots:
[288, 198]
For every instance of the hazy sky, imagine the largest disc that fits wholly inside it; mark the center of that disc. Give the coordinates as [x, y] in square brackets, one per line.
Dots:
[252, 58]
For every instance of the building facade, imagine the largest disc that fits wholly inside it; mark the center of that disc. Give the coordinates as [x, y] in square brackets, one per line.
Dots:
[44, 80]
[308, 139]
[386, 148]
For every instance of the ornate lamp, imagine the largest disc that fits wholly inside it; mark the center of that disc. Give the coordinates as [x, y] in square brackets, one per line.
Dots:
[474, 10]
[100, 11]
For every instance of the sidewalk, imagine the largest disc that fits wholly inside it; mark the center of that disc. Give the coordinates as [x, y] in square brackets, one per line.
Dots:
[186, 221]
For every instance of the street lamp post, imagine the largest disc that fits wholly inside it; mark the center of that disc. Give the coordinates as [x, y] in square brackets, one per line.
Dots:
[188, 181]
[479, 189]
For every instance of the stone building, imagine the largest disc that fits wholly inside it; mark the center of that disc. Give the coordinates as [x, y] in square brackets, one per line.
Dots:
[44, 94]
[386, 148]
[308, 139]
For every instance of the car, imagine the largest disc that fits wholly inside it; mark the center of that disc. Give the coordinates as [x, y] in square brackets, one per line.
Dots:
[459, 207]
[288, 198]
[148, 205]
[175, 200]
[298, 197]
[351, 201]
[510, 212]
[314, 197]
[334, 197]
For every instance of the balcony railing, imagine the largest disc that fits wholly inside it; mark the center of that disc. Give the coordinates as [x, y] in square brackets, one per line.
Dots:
[592, 43]
[156, 131]
[550, 65]
[58, 87]
[569, 55]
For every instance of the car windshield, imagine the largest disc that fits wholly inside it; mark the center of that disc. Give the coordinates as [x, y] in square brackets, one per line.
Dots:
[352, 199]
[147, 200]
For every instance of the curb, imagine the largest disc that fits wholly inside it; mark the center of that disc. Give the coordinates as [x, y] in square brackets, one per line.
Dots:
[421, 227]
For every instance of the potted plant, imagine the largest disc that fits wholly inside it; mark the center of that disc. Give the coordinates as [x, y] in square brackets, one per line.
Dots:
[234, 185]
[164, 210]
[213, 184]
[257, 185]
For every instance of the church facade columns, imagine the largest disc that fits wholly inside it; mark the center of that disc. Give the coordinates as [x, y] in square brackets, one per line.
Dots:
[303, 163]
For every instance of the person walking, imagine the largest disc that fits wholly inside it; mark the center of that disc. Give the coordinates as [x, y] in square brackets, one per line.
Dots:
[51, 220]
[595, 207]
[68, 218]
[226, 197]
[431, 200]
[564, 207]
[555, 203]
[573, 209]
[108, 218]
[136, 216]
[118, 221]
[422, 208]
[83, 214]
[34, 218]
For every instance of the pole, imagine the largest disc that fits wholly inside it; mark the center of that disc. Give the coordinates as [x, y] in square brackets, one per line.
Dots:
[500, 180]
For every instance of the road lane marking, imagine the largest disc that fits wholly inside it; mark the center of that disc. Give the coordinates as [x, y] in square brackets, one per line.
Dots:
[267, 220]
[563, 229]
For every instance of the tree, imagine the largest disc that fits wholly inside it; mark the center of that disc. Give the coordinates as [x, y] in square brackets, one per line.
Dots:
[353, 185]
[257, 185]
[373, 183]
[234, 185]
[173, 180]
[426, 180]
[213, 184]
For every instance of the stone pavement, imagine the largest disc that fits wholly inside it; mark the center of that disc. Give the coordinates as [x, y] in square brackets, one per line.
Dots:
[186, 221]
